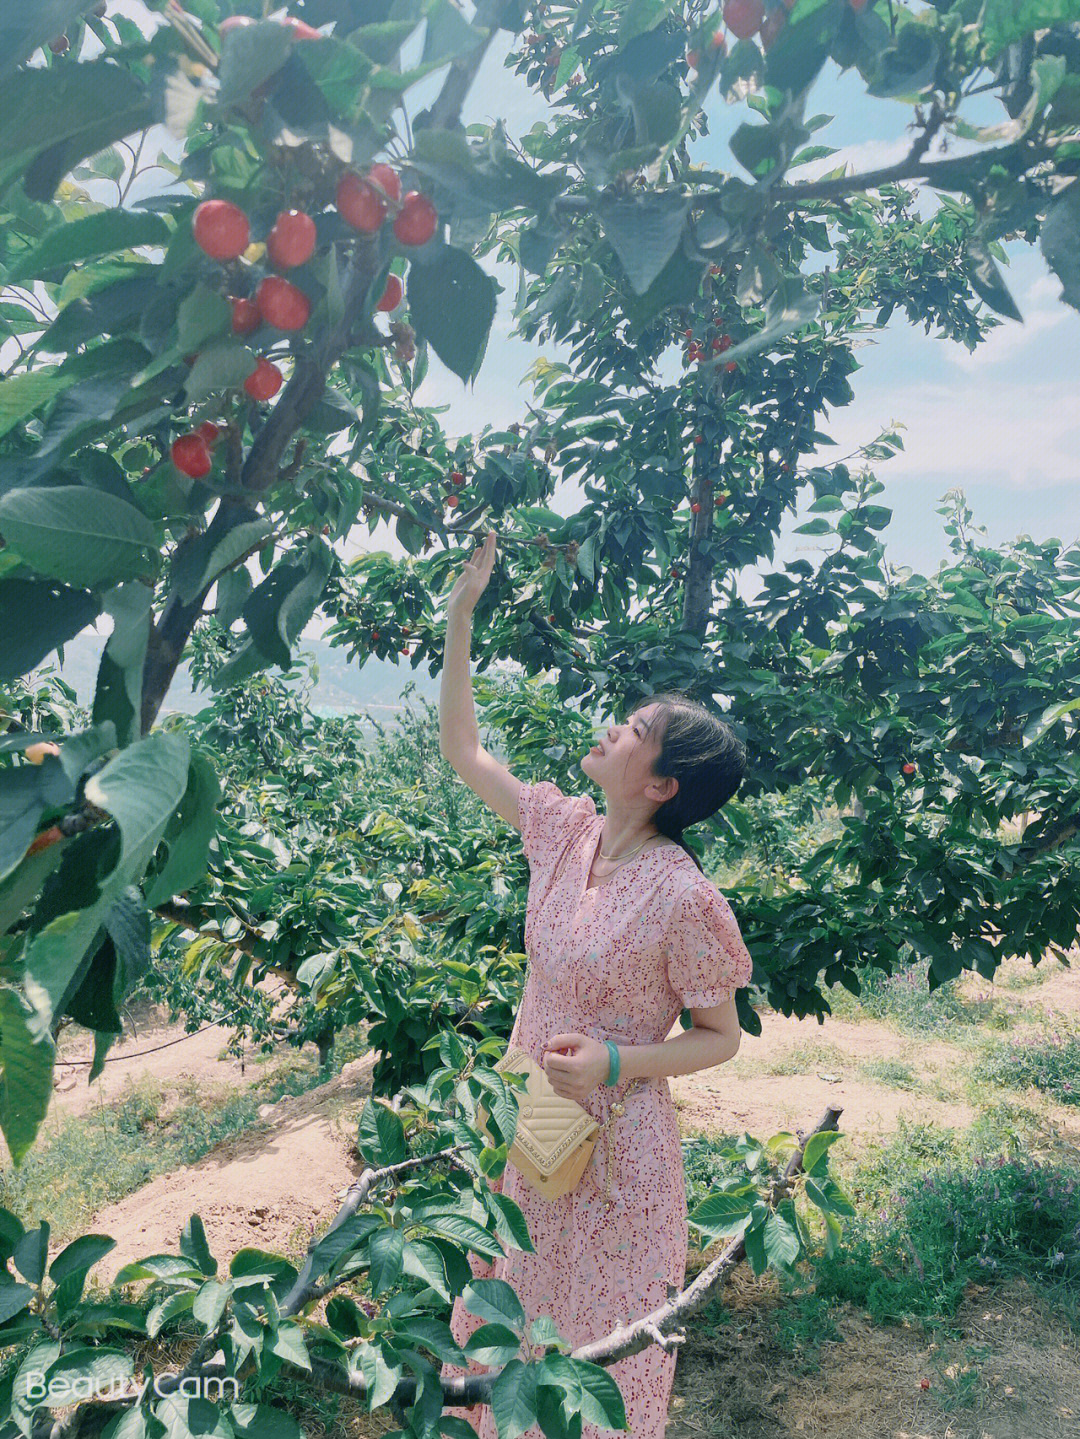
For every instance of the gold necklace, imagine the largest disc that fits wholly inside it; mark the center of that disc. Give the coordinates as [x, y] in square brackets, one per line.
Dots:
[630, 854]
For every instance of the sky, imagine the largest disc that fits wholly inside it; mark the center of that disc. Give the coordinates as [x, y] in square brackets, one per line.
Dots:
[1002, 423]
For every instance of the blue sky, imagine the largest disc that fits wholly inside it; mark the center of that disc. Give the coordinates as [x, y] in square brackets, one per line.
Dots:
[1002, 424]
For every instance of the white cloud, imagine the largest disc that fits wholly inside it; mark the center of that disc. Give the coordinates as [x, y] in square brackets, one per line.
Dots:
[1018, 435]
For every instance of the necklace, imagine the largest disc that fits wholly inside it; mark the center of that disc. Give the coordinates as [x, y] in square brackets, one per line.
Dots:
[628, 855]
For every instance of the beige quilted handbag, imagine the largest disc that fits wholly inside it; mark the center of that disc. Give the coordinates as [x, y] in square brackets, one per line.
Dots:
[555, 1137]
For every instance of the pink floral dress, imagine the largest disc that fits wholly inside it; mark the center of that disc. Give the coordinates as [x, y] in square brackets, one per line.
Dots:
[618, 961]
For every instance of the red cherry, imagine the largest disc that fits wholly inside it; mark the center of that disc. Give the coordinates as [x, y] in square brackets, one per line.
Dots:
[234, 22]
[190, 455]
[59, 44]
[374, 634]
[245, 315]
[301, 30]
[908, 768]
[417, 219]
[743, 17]
[771, 26]
[358, 204]
[719, 499]
[731, 365]
[699, 439]
[292, 240]
[405, 630]
[695, 508]
[389, 179]
[689, 334]
[47, 837]
[452, 500]
[924, 1383]
[221, 229]
[456, 477]
[693, 59]
[857, 6]
[715, 346]
[281, 304]
[265, 380]
[719, 39]
[209, 433]
[725, 343]
[391, 296]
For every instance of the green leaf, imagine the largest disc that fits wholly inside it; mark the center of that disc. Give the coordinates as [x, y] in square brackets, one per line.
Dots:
[262, 1421]
[249, 56]
[128, 1424]
[386, 1250]
[84, 239]
[199, 316]
[790, 307]
[198, 564]
[77, 534]
[188, 833]
[221, 366]
[26, 792]
[452, 304]
[21, 395]
[644, 231]
[25, 28]
[71, 1266]
[782, 1244]
[495, 1302]
[14, 1298]
[1005, 21]
[797, 55]
[118, 697]
[53, 118]
[1037, 727]
[140, 788]
[184, 1417]
[280, 607]
[1060, 241]
[85, 1370]
[210, 1303]
[193, 1244]
[27, 1082]
[35, 617]
[986, 279]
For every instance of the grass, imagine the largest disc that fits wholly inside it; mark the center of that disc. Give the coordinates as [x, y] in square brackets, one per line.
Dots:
[936, 1210]
[891, 1072]
[904, 1001]
[83, 1162]
[1049, 1063]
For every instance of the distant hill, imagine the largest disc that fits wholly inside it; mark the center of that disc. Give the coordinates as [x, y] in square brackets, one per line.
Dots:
[343, 686]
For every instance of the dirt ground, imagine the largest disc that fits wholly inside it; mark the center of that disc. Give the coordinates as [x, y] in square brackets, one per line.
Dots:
[274, 1185]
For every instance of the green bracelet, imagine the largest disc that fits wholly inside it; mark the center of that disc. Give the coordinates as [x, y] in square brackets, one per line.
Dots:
[613, 1068]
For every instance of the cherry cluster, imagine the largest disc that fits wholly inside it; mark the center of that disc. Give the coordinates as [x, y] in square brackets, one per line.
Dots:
[222, 230]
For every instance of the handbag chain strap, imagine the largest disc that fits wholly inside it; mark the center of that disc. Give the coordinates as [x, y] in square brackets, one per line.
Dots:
[617, 1110]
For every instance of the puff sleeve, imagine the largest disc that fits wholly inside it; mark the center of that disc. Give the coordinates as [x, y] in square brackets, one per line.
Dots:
[546, 817]
[706, 958]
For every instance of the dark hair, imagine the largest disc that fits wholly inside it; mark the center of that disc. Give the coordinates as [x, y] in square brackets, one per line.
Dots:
[703, 753]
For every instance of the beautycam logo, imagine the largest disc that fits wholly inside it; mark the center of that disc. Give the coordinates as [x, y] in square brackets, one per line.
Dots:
[62, 1389]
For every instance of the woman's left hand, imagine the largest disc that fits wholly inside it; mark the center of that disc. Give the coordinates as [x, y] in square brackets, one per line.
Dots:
[575, 1075]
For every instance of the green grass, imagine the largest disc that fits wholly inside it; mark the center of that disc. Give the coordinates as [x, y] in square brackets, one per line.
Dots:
[905, 1001]
[1048, 1062]
[891, 1072]
[937, 1210]
[83, 1162]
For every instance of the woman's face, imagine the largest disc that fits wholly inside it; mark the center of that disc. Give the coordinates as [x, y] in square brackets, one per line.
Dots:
[622, 763]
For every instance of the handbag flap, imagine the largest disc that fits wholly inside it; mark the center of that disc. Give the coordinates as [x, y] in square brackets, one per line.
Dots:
[549, 1126]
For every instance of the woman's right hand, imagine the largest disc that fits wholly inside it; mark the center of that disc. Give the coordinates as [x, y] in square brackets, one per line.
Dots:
[472, 581]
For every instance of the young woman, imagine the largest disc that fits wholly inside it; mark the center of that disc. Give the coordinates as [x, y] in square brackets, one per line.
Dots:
[622, 932]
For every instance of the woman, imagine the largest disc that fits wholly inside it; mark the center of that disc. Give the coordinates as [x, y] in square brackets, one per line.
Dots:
[623, 931]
